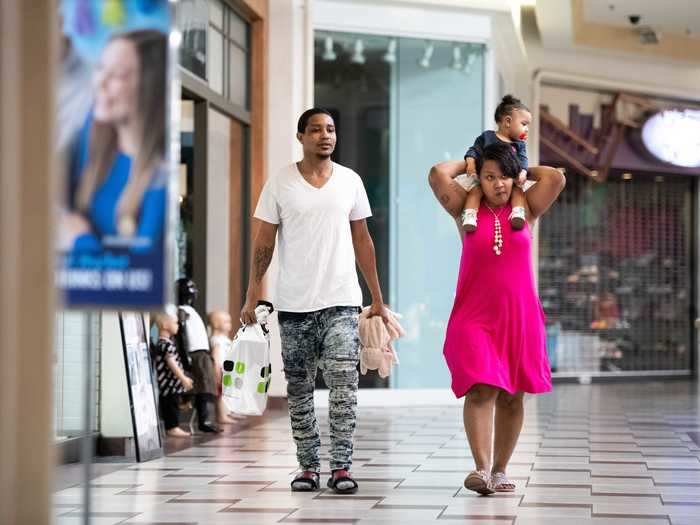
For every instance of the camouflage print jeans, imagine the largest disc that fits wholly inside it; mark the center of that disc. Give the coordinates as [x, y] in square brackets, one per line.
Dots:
[326, 339]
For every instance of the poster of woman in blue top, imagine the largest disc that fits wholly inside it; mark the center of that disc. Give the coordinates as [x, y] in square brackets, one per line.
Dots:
[112, 231]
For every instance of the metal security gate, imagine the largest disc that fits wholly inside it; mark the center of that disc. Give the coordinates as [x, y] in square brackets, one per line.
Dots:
[616, 270]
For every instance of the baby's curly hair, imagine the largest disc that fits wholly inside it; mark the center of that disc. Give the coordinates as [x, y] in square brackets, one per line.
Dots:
[508, 104]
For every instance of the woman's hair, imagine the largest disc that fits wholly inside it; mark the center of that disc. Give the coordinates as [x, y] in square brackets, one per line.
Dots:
[503, 154]
[306, 115]
[508, 104]
[152, 50]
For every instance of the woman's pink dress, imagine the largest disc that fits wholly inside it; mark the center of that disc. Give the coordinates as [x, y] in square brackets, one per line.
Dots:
[496, 332]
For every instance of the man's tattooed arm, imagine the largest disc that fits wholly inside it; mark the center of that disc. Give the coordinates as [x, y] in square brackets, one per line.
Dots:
[263, 248]
[261, 262]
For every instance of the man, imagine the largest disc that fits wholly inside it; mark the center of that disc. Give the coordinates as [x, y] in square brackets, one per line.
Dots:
[317, 209]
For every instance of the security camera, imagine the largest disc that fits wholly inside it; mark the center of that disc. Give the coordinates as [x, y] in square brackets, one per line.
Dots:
[634, 19]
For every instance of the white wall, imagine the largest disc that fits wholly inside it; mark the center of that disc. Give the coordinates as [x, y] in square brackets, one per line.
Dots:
[290, 92]
[70, 370]
[115, 414]
[218, 211]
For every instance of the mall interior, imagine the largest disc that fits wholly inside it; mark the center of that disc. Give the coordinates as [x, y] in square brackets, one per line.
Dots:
[611, 86]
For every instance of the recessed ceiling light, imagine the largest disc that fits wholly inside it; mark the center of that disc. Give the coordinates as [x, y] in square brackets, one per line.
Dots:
[358, 55]
[456, 57]
[427, 55]
[472, 52]
[390, 55]
[328, 52]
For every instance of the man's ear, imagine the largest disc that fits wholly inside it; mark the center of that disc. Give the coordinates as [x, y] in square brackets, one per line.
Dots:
[299, 136]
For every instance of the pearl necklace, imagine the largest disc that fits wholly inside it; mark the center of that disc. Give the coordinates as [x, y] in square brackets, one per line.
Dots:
[497, 232]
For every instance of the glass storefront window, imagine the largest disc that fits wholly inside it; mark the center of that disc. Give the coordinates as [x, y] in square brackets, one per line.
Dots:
[215, 47]
[184, 258]
[216, 14]
[216, 60]
[615, 274]
[193, 21]
[237, 36]
[238, 30]
[238, 79]
[400, 106]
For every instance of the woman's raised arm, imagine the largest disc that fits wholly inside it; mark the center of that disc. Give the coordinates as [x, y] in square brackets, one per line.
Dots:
[550, 183]
[448, 192]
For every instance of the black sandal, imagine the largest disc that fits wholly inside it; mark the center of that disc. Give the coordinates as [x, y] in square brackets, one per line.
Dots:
[339, 476]
[306, 481]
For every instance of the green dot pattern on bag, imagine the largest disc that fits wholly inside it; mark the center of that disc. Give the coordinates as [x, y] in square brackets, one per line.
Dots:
[238, 382]
[227, 380]
[240, 367]
[261, 387]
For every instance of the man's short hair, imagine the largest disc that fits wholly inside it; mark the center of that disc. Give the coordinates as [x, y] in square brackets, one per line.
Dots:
[306, 115]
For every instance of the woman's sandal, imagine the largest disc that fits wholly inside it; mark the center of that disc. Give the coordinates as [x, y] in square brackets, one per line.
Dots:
[479, 481]
[306, 481]
[501, 483]
[339, 476]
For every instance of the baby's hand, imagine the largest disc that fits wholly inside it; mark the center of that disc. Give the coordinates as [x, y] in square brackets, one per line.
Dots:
[187, 384]
[522, 178]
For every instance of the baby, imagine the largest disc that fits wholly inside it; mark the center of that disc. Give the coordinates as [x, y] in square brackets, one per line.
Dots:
[172, 381]
[513, 120]
[220, 342]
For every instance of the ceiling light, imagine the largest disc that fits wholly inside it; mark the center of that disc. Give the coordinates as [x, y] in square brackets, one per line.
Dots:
[358, 56]
[328, 53]
[471, 58]
[427, 55]
[627, 176]
[456, 57]
[390, 55]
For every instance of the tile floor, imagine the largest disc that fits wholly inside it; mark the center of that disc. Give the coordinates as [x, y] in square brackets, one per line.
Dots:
[617, 454]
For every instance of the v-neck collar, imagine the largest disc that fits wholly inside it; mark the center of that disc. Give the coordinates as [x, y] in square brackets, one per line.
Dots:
[307, 183]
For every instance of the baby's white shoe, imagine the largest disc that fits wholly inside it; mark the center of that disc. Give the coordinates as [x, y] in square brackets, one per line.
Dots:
[517, 218]
[469, 219]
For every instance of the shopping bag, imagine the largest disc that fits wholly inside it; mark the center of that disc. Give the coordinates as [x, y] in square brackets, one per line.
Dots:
[247, 368]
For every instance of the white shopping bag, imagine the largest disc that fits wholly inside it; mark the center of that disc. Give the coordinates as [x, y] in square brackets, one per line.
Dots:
[247, 368]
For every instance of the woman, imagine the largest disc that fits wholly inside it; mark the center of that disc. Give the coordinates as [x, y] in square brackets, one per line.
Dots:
[120, 183]
[495, 341]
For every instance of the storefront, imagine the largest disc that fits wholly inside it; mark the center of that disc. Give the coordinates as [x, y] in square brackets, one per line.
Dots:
[222, 59]
[408, 87]
[617, 253]
[221, 121]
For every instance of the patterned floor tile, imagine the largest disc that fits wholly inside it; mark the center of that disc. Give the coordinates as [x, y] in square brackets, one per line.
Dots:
[588, 455]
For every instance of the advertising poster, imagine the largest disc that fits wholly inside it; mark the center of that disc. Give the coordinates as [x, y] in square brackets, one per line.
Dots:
[112, 133]
[142, 395]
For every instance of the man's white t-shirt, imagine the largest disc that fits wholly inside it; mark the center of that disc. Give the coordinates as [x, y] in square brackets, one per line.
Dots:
[314, 243]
